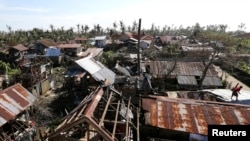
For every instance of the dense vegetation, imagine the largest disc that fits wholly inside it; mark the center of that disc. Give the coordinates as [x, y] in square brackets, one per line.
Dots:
[214, 32]
[204, 34]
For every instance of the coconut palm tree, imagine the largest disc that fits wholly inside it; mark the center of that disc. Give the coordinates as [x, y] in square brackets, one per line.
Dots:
[98, 28]
[114, 26]
[86, 28]
[78, 28]
[122, 27]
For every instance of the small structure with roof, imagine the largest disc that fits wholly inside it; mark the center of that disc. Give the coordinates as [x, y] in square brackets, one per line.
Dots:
[14, 101]
[100, 41]
[71, 49]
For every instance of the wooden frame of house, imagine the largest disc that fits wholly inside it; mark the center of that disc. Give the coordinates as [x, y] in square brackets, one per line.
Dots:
[103, 114]
[36, 73]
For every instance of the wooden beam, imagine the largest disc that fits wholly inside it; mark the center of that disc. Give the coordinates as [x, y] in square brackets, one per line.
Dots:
[116, 117]
[127, 120]
[105, 110]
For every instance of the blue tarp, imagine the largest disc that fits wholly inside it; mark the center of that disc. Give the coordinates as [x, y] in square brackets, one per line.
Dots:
[53, 51]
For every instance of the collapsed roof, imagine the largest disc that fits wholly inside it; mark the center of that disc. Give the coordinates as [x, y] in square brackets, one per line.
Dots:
[102, 114]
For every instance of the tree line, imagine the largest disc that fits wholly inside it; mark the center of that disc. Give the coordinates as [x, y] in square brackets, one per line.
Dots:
[13, 37]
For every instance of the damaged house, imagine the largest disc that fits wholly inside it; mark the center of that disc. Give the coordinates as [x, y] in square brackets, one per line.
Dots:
[41, 46]
[86, 74]
[17, 52]
[161, 41]
[184, 75]
[71, 49]
[96, 53]
[97, 70]
[15, 124]
[102, 115]
[36, 73]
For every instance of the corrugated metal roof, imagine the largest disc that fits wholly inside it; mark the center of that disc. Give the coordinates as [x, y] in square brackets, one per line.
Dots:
[161, 68]
[212, 81]
[92, 51]
[14, 100]
[186, 80]
[225, 95]
[47, 42]
[20, 47]
[96, 69]
[105, 74]
[69, 45]
[192, 116]
[198, 48]
[190, 80]
[100, 37]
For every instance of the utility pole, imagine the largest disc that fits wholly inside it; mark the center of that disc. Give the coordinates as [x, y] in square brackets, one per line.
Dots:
[138, 51]
[139, 74]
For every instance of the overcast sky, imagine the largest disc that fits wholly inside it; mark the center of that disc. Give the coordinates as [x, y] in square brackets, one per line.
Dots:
[28, 14]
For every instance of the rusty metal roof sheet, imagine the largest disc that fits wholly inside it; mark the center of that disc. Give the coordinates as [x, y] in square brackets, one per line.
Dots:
[14, 100]
[69, 45]
[20, 47]
[47, 42]
[192, 116]
[161, 68]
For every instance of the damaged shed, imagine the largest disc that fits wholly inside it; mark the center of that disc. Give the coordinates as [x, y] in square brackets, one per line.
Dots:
[14, 101]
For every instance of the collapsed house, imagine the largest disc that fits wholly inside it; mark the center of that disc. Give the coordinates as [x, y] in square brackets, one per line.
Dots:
[36, 73]
[15, 123]
[102, 115]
